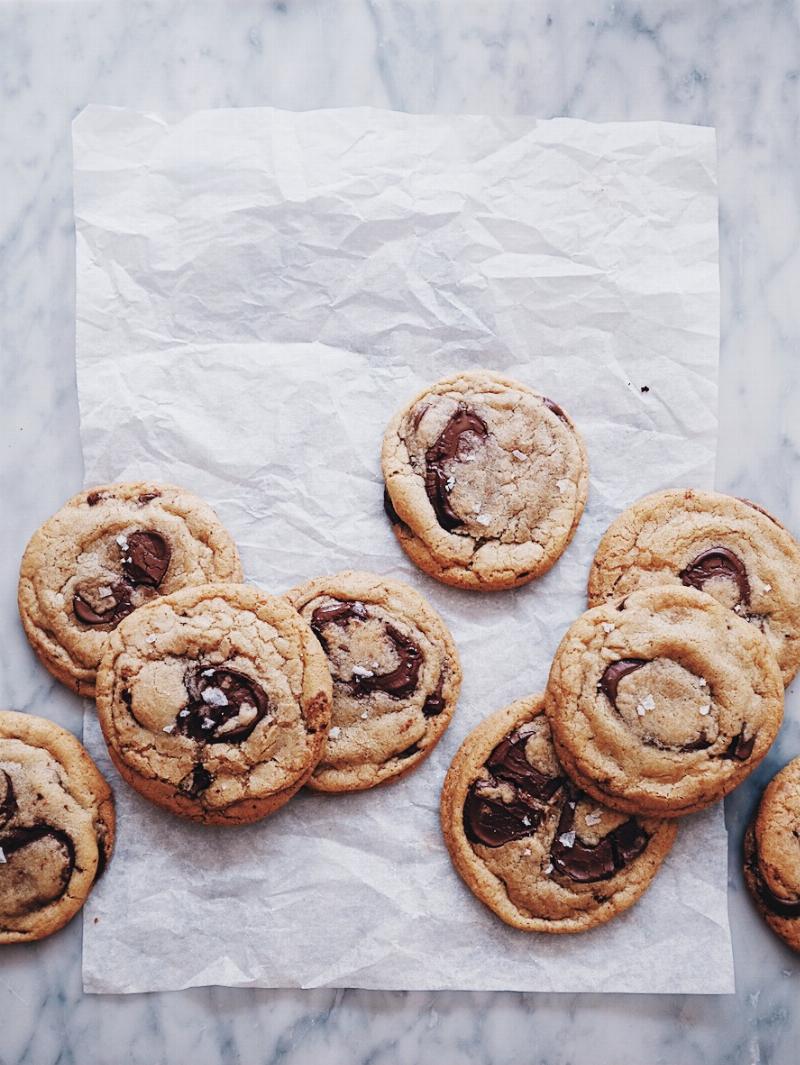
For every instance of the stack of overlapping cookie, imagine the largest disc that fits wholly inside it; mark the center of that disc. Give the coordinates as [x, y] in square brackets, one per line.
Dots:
[219, 701]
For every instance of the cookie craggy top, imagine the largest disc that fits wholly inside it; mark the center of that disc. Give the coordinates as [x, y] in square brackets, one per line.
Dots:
[730, 548]
[395, 672]
[486, 478]
[56, 826]
[664, 701]
[538, 851]
[215, 701]
[108, 551]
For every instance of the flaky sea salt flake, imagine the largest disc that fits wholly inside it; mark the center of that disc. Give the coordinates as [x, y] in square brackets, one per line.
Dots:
[169, 729]
[594, 818]
[567, 839]
[450, 483]
[705, 710]
[122, 540]
[483, 519]
[360, 671]
[519, 455]
[214, 697]
[334, 733]
[607, 627]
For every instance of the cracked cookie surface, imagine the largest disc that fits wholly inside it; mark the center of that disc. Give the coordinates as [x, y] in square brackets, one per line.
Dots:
[730, 548]
[486, 481]
[772, 855]
[56, 826]
[108, 551]
[535, 849]
[396, 676]
[214, 702]
[663, 702]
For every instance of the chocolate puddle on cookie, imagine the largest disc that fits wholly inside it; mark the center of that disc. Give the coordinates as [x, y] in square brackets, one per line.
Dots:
[399, 682]
[36, 880]
[145, 560]
[444, 449]
[587, 863]
[717, 563]
[224, 705]
[778, 906]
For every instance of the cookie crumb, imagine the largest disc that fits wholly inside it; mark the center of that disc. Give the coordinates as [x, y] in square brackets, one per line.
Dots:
[567, 839]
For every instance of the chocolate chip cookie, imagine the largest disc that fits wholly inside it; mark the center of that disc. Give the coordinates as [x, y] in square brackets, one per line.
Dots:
[215, 702]
[396, 677]
[772, 855]
[663, 702]
[730, 548]
[56, 826]
[533, 847]
[107, 552]
[486, 481]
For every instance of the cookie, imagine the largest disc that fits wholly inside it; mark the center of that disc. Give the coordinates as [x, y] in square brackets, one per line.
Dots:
[730, 548]
[107, 552]
[535, 849]
[396, 677]
[663, 702]
[214, 702]
[772, 855]
[486, 481]
[56, 827]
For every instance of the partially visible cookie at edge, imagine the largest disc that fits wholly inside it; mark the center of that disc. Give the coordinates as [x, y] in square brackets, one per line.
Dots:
[396, 676]
[109, 550]
[56, 826]
[486, 481]
[215, 702]
[663, 702]
[536, 850]
[772, 855]
[730, 548]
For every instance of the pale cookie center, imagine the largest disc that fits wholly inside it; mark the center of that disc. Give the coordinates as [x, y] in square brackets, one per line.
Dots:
[667, 706]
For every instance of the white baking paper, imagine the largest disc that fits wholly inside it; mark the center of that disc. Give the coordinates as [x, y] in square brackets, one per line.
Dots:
[258, 291]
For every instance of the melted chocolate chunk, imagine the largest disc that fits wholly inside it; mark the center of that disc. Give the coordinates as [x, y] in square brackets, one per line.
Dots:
[780, 907]
[388, 507]
[554, 407]
[740, 748]
[403, 679]
[587, 863]
[148, 497]
[195, 782]
[15, 839]
[408, 751]
[508, 762]
[8, 800]
[118, 606]
[491, 822]
[399, 682]
[93, 498]
[444, 449]
[224, 705]
[717, 562]
[337, 614]
[146, 559]
[434, 704]
[613, 674]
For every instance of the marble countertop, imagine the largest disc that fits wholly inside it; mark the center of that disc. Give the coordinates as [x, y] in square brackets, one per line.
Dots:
[734, 64]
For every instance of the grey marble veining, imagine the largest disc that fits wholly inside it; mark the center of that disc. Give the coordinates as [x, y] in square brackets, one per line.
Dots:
[731, 63]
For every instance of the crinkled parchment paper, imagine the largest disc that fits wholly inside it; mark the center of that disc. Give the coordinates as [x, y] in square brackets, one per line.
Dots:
[258, 291]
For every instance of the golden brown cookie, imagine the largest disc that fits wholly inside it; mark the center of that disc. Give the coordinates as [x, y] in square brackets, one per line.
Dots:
[106, 552]
[56, 826]
[772, 855]
[486, 481]
[730, 548]
[215, 702]
[663, 702]
[540, 853]
[396, 677]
